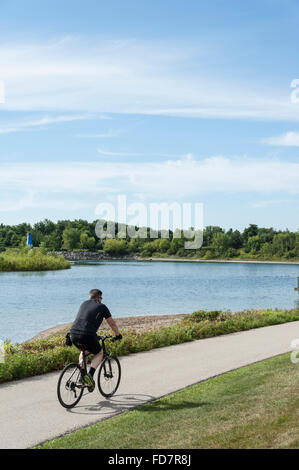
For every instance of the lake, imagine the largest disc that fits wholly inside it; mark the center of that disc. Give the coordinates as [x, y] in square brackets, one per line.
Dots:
[31, 302]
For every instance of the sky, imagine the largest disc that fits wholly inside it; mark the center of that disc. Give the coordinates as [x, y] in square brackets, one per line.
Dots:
[186, 102]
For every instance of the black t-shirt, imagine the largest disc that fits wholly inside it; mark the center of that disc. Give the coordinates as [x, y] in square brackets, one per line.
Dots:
[89, 318]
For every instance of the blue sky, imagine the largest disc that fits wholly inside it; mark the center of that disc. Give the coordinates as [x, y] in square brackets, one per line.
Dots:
[162, 101]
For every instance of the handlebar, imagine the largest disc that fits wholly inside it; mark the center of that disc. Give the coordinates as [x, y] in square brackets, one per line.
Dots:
[103, 338]
[113, 338]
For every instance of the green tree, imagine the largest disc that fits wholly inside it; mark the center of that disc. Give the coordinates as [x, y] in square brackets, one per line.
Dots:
[235, 239]
[115, 247]
[266, 234]
[84, 240]
[175, 245]
[250, 231]
[253, 245]
[164, 245]
[283, 243]
[220, 244]
[209, 233]
[45, 227]
[266, 250]
[71, 238]
[87, 242]
[148, 249]
[91, 243]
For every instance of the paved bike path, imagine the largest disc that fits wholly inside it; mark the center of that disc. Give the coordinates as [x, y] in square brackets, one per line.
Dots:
[30, 412]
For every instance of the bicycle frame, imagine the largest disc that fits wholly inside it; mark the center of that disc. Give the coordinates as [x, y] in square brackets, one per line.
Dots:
[105, 352]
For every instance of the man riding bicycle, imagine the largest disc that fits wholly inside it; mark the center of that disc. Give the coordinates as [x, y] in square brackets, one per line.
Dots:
[84, 332]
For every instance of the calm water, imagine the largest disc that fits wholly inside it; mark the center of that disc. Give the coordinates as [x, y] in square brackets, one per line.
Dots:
[31, 302]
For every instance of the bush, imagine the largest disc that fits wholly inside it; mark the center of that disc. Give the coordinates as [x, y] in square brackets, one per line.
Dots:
[115, 247]
[202, 315]
[23, 259]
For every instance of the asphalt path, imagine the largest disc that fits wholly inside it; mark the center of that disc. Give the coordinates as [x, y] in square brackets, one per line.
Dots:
[31, 414]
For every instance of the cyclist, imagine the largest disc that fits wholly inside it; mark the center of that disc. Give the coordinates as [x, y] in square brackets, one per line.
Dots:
[84, 331]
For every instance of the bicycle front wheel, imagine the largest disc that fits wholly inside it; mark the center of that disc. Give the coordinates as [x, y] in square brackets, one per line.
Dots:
[109, 376]
[69, 389]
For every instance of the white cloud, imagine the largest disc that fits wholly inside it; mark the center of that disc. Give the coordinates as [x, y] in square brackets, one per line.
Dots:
[32, 200]
[143, 155]
[117, 154]
[96, 75]
[177, 180]
[2, 92]
[271, 202]
[289, 139]
[44, 121]
[106, 135]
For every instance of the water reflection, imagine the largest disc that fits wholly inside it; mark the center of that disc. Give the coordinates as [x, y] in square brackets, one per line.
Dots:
[26, 273]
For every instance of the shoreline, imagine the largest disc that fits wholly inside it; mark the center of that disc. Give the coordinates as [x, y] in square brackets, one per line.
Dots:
[82, 256]
[183, 260]
[139, 323]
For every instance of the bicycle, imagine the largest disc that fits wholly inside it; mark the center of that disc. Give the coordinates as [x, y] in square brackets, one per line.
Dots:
[71, 385]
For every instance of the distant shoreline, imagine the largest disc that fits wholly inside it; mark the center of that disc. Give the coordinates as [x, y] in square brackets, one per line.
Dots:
[94, 256]
[217, 261]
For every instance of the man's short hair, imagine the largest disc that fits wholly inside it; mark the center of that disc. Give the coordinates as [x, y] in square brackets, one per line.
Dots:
[95, 294]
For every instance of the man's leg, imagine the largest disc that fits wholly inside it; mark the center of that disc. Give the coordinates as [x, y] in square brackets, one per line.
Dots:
[94, 364]
[93, 345]
[81, 358]
[97, 359]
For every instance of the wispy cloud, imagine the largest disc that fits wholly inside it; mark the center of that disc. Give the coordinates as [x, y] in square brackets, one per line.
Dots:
[45, 184]
[108, 153]
[126, 76]
[289, 139]
[2, 92]
[117, 154]
[272, 202]
[31, 200]
[106, 135]
[44, 121]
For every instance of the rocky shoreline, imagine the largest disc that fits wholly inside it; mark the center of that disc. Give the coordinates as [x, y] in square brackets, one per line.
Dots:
[95, 256]
[90, 256]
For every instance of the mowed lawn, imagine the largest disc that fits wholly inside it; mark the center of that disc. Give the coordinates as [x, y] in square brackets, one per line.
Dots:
[254, 407]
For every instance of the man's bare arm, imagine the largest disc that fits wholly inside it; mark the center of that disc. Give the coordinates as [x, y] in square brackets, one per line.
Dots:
[113, 325]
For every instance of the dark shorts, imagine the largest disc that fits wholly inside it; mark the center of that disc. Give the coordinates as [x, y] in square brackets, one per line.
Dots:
[89, 343]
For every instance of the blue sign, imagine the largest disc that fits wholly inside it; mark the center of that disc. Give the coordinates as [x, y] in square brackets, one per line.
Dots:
[29, 240]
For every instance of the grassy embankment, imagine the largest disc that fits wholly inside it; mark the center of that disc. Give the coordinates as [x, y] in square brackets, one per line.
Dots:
[242, 257]
[23, 259]
[41, 356]
[253, 407]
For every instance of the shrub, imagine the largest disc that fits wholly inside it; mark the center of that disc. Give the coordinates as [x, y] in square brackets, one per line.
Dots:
[201, 315]
[23, 259]
[115, 247]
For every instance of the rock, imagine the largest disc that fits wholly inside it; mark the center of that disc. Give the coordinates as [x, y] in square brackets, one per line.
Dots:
[89, 255]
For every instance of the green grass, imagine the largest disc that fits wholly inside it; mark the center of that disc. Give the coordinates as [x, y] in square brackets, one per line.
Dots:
[23, 259]
[252, 407]
[243, 256]
[41, 356]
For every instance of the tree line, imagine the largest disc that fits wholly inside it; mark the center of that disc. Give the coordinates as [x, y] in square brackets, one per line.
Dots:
[253, 242]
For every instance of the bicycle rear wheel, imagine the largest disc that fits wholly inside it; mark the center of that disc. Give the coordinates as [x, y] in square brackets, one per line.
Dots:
[109, 376]
[69, 390]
